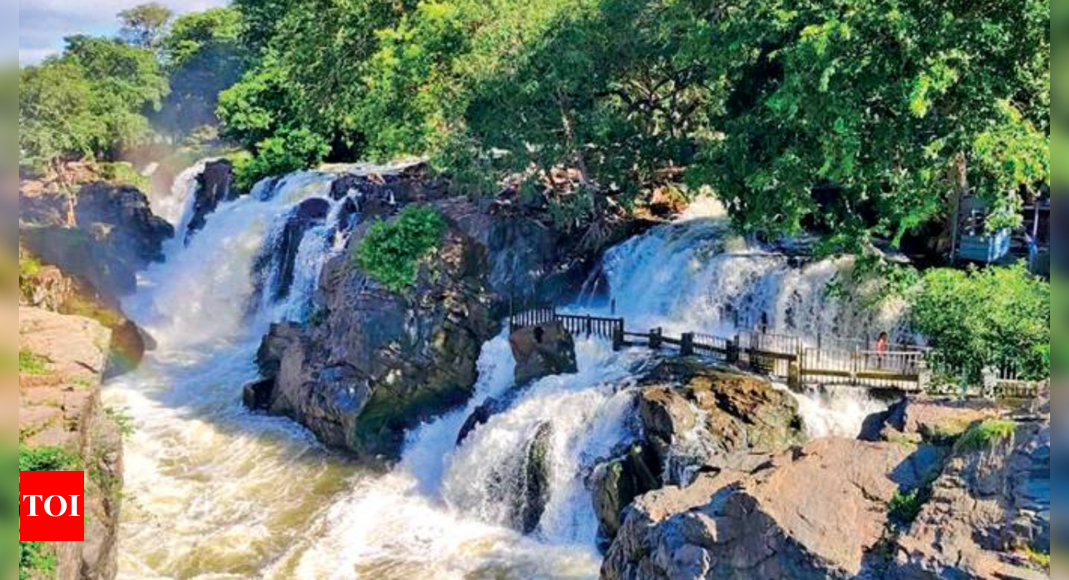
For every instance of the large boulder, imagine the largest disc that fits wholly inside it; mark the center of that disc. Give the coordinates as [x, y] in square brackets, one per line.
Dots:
[543, 350]
[379, 363]
[695, 419]
[918, 419]
[696, 415]
[812, 513]
[214, 185]
[122, 215]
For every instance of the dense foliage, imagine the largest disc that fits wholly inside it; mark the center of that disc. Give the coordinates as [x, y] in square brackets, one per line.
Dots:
[89, 102]
[855, 118]
[203, 55]
[997, 317]
[391, 251]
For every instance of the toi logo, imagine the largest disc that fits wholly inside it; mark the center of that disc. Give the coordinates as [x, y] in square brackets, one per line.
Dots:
[51, 506]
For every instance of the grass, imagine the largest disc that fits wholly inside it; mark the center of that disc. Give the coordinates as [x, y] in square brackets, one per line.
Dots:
[985, 435]
[947, 433]
[1040, 559]
[32, 364]
[123, 421]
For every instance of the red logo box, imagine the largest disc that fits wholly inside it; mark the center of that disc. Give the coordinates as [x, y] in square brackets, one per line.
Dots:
[51, 506]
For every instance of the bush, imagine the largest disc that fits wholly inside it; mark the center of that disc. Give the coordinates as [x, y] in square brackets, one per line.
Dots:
[986, 435]
[905, 508]
[35, 557]
[288, 152]
[998, 316]
[391, 251]
[47, 459]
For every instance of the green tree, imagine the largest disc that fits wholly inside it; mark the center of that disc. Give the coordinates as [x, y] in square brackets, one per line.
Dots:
[143, 25]
[993, 317]
[203, 56]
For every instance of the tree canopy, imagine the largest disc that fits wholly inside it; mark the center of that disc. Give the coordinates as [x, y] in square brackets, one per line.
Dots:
[144, 25]
[855, 118]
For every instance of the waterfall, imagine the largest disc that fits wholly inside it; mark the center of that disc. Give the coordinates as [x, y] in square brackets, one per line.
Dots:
[216, 492]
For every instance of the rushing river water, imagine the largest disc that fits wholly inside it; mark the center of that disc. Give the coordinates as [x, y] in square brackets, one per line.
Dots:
[215, 492]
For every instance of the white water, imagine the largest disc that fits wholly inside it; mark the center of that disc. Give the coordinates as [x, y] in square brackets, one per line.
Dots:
[214, 492]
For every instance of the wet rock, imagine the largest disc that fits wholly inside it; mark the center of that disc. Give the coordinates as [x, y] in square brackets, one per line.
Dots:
[616, 483]
[536, 480]
[273, 347]
[282, 258]
[541, 351]
[813, 513]
[479, 417]
[256, 396]
[716, 412]
[214, 186]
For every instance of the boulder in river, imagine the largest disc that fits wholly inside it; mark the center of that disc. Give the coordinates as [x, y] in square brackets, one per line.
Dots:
[214, 185]
[541, 351]
[536, 480]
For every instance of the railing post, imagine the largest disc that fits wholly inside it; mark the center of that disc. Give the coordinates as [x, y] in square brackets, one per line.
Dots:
[655, 338]
[687, 346]
[618, 337]
[734, 350]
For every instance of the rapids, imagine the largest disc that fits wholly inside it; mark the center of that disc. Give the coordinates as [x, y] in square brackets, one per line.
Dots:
[214, 492]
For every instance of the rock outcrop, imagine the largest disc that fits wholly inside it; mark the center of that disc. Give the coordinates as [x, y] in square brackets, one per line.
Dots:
[62, 360]
[811, 513]
[694, 419]
[214, 185]
[370, 363]
[988, 510]
[379, 363]
[541, 351]
[116, 235]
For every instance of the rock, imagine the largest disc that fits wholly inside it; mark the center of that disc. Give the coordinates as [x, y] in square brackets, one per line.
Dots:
[616, 483]
[280, 256]
[536, 480]
[126, 218]
[379, 363]
[256, 396]
[541, 351]
[116, 236]
[813, 513]
[479, 417]
[739, 413]
[60, 407]
[214, 186]
[987, 505]
[48, 289]
[924, 419]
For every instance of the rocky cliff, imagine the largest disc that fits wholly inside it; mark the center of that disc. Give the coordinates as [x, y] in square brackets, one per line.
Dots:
[61, 364]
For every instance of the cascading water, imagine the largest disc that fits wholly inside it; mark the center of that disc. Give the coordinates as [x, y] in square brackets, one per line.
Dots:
[215, 492]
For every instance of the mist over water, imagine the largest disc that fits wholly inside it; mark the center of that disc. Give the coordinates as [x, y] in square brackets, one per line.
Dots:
[214, 492]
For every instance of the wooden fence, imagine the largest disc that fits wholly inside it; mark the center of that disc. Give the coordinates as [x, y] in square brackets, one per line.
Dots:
[835, 362]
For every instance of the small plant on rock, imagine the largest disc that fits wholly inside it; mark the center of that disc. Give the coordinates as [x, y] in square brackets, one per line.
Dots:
[905, 507]
[986, 435]
[32, 364]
